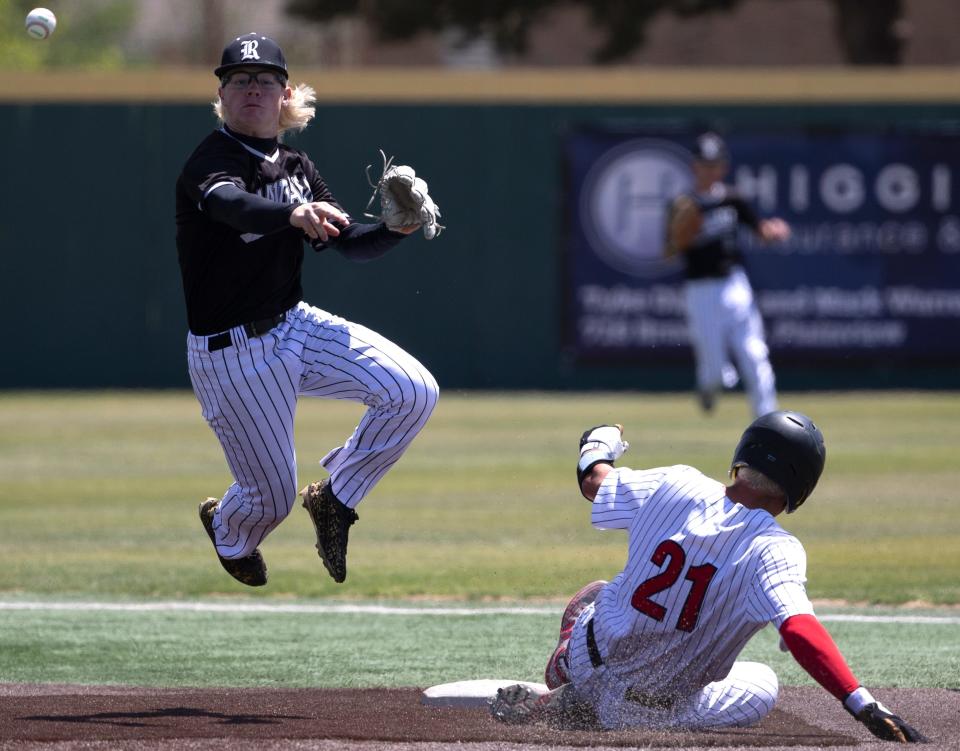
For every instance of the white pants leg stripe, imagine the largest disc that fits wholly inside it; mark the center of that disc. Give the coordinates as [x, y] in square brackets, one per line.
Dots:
[384, 423]
[399, 393]
[724, 320]
[272, 433]
[261, 442]
[745, 696]
[276, 390]
[248, 392]
[261, 422]
[232, 449]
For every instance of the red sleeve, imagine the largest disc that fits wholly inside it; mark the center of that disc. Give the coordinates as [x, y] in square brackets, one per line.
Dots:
[816, 652]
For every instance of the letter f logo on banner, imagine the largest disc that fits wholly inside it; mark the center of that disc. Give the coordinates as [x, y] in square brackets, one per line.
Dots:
[248, 49]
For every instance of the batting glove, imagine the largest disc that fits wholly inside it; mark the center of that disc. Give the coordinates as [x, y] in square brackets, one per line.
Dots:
[604, 443]
[888, 726]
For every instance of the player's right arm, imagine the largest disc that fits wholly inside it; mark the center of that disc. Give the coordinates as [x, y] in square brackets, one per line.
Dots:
[249, 212]
[357, 241]
[319, 220]
[215, 178]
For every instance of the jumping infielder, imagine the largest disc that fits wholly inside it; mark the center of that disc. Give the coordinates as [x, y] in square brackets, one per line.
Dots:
[722, 317]
[245, 204]
[707, 567]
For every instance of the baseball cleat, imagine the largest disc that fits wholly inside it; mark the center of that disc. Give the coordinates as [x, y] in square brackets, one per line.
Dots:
[250, 570]
[331, 521]
[707, 401]
[516, 705]
[579, 602]
[560, 708]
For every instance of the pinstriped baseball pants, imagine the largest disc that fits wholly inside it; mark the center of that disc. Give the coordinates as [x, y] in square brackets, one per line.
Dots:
[744, 697]
[723, 320]
[248, 393]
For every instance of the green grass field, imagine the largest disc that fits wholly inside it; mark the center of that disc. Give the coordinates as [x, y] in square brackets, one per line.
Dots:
[98, 497]
[183, 648]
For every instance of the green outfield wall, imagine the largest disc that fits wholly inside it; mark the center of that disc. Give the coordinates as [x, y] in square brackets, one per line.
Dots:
[90, 286]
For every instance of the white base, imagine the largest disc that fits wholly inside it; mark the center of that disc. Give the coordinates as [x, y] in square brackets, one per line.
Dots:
[473, 693]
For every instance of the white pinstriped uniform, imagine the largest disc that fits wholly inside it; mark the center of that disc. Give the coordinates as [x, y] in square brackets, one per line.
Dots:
[249, 391]
[705, 616]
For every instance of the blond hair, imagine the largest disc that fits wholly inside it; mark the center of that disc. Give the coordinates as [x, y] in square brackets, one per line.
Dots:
[296, 112]
[759, 482]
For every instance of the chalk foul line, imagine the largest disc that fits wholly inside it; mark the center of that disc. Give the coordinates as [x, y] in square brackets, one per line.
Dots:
[205, 606]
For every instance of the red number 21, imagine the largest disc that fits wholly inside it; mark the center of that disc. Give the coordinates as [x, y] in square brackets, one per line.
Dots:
[670, 552]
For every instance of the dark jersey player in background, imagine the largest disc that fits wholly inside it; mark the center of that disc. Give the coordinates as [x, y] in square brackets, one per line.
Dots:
[726, 330]
[245, 205]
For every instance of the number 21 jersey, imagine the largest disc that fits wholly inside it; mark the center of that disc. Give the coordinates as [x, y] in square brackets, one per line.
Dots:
[703, 574]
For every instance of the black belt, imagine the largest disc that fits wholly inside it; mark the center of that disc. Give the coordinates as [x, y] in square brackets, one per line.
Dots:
[253, 330]
[595, 659]
[650, 701]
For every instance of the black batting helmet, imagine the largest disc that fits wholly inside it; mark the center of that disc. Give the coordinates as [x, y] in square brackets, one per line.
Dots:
[786, 447]
[252, 50]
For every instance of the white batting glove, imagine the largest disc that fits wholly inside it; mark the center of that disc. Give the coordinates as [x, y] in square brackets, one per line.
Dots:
[604, 443]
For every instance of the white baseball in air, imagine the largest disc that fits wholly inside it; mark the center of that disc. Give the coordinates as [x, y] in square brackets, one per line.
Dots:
[40, 23]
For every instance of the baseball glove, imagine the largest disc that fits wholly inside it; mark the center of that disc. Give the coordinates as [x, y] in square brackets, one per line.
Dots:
[404, 199]
[888, 726]
[684, 222]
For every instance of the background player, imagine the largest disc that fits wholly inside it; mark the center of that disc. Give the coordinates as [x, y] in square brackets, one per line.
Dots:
[245, 205]
[722, 317]
[707, 567]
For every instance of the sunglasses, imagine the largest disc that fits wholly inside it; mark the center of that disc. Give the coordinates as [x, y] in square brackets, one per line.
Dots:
[266, 81]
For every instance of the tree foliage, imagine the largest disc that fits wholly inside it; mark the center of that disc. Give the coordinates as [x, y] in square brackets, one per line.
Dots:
[865, 29]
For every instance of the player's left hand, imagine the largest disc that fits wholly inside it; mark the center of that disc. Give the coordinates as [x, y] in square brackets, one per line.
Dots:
[604, 440]
[888, 726]
[603, 444]
[774, 230]
[405, 200]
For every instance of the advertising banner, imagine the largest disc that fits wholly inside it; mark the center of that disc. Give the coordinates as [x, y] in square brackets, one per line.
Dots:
[871, 272]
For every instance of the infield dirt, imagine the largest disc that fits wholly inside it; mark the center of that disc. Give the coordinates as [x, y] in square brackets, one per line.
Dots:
[62, 718]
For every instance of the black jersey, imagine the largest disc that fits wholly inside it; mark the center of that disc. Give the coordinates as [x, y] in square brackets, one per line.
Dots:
[231, 277]
[716, 250]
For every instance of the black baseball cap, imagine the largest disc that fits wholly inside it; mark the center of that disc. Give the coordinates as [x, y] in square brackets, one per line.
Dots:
[252, 49]
[711, 148]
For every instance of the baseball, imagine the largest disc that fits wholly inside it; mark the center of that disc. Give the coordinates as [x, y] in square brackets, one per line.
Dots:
[40, 23]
